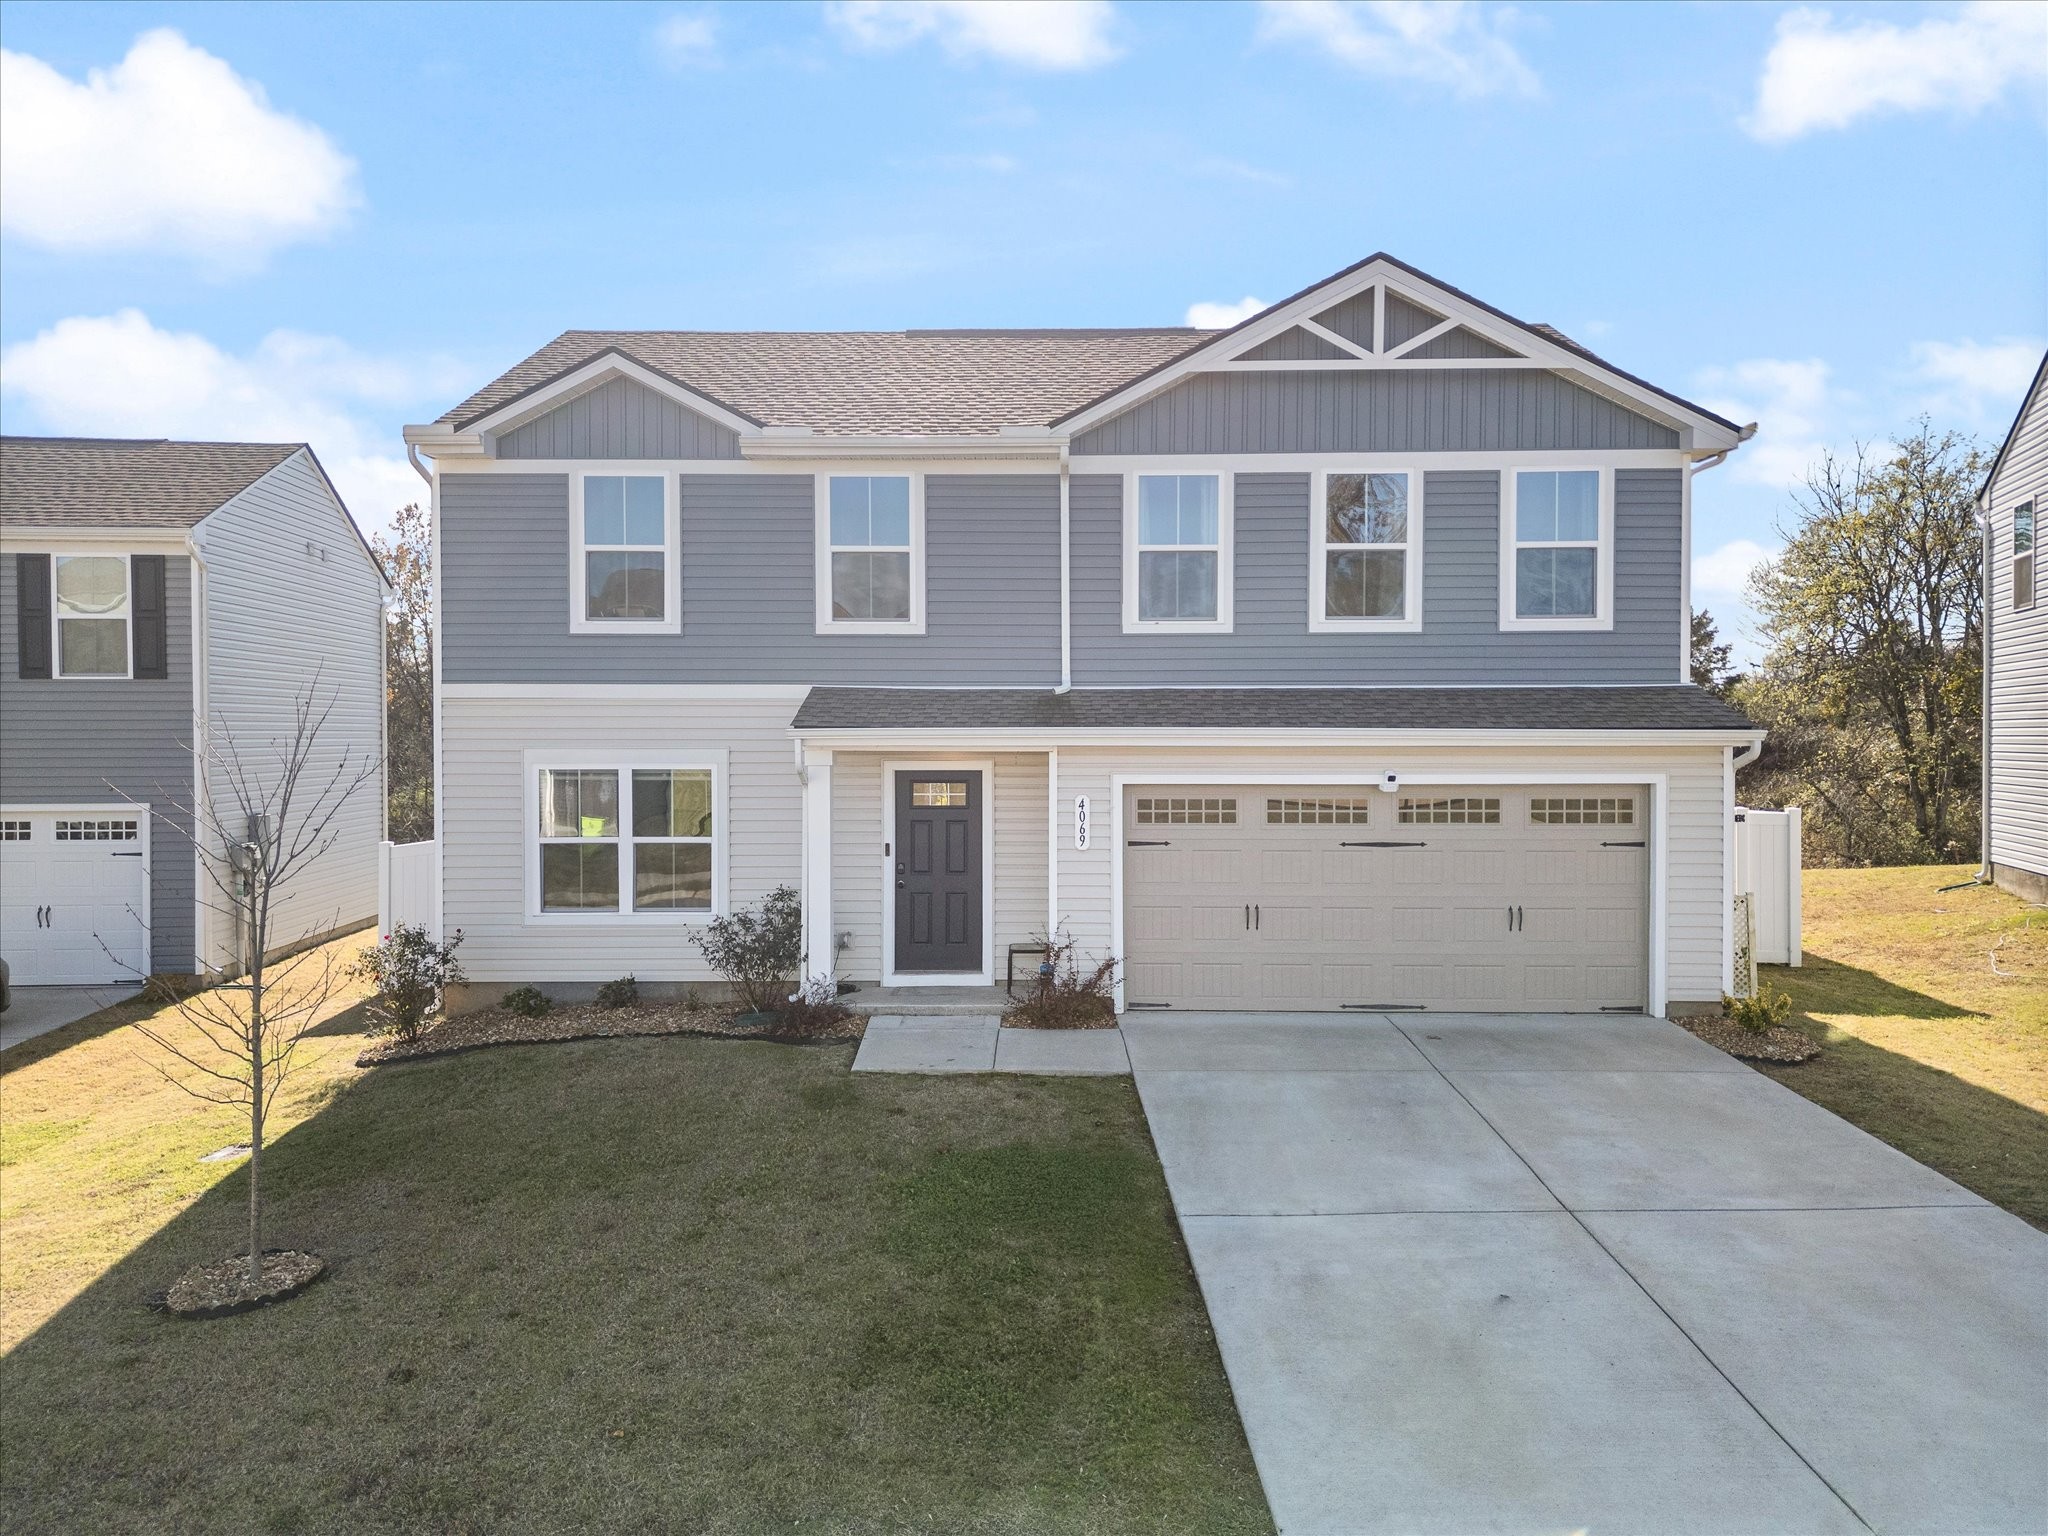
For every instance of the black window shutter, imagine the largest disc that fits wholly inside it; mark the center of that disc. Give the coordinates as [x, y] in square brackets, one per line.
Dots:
[32, 610]
[152, 631]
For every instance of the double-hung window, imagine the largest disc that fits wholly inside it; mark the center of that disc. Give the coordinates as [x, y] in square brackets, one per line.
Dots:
[627, 838]
[2023, 557]
[1557, 552]
[870, 569]
[626, 575]
[1365, 551]
[92, 614]
[1177, 543]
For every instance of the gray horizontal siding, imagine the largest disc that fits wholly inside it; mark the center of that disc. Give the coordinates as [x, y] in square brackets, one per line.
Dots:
[1461, 640]
[1424, 410]
[992, 588]
[620, 419]
[68, 741]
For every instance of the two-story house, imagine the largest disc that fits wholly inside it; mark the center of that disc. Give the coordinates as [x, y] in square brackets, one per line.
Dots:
[2016, 655]
[162, 607]
[1337, 660]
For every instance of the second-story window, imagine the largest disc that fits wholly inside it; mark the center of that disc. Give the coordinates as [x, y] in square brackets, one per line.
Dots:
[1177, 553]
[1365, 568]
[870, 554]
[625, 551]
[1557, 555]
[2023, 557]
[92, 615]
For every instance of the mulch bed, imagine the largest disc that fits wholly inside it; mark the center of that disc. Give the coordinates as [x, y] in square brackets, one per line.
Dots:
[1094, 1013]
[587, 1021]
[222, 1289]
[1778, 1043]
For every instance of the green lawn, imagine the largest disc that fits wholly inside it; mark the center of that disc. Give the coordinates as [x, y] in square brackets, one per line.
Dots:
[1929, 1046]
[628, 1285]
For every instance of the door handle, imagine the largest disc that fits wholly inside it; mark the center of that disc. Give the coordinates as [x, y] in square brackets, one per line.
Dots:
[1520, 921]
[1247, 917]
[1255, 915]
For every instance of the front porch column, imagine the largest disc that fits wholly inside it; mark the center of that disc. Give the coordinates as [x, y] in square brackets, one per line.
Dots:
[820, 952]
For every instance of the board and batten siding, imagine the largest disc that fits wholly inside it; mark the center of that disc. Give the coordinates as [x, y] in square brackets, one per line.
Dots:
[2017, 831]
[861, 875]
[485, 835]
[749, 615]
[295, 607]
[619, 419]
[66, 741]
[1380, 410]
[1461, 641]
[1696, 826]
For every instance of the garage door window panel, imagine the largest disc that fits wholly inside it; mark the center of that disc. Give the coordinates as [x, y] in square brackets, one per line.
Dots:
[1180, 811]
[1450, 811]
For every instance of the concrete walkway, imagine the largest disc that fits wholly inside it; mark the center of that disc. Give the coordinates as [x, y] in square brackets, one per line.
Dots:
[38, 1010]
[1485, 1274]
[979, 1043]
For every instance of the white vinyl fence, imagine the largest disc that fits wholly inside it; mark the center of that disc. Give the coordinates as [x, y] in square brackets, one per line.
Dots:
[1767, 871]
[407, 891]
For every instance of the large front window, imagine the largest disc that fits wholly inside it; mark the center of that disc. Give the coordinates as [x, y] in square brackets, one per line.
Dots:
[1558, 568]
[92, 615]
[623, 542]
[1179, 543]
[627, 839]
[1367, 571]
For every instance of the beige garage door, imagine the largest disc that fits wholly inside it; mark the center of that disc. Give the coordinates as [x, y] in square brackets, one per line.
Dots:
[1485, 898]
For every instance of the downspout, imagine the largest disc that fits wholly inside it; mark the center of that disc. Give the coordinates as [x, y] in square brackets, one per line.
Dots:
[1066, 579]
[412, 455]
[201, 708]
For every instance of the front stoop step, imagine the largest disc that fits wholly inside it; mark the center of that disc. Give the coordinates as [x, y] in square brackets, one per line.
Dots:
[935, 1044]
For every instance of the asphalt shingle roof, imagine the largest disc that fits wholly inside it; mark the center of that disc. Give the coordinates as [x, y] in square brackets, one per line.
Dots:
[103, 482]
[1678, 707]
[852, 383]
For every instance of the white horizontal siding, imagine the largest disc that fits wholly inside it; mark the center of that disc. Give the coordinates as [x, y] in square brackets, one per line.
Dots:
[484, 832]
[294, 604]
[2018, 830]
[1696, 827]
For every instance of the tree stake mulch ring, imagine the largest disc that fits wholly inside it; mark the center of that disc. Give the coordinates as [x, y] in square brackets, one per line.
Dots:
[1780, 1045]
[221, 1289]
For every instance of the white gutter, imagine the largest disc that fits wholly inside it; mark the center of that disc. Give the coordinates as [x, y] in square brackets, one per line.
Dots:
[1744, 756]
[1066, 579]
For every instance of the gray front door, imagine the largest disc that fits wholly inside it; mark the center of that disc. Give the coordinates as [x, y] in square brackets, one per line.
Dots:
[938, 871]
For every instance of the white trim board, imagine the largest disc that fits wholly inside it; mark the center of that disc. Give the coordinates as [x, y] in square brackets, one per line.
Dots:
[1658, 785]
[986, 976]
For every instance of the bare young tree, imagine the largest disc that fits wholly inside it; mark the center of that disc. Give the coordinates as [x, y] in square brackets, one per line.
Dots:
[261, 819]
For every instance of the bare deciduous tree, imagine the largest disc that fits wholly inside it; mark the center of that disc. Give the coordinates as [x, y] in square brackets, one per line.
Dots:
[261, 820]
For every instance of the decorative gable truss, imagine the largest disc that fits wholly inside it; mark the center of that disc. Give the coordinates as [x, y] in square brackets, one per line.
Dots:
[1381, 325]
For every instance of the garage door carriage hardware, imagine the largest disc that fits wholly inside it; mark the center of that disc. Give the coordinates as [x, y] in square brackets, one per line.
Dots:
[1383, 845]
[1625, 845]
[1139, 842]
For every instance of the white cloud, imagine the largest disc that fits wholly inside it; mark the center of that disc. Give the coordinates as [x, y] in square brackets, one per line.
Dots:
[120, 376]
[688, 40]
[1452, 43]
[168, 150]
[1820, 75]
[1792, 402]
[1038, 34]
[1724, 573]
[1221, 317]
[1975, 384]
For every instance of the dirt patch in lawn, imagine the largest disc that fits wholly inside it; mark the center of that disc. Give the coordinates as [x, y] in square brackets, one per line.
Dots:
[587, 1021]
[1780, 1044]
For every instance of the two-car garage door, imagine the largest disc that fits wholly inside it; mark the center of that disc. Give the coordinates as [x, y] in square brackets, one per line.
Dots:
[1483, 898]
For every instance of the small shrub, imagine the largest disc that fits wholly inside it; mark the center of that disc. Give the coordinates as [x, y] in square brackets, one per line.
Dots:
[528, 1002]
[1760, 1014]
[410, 972]
[758, 949]
[1066, 997]
[623, 993]
[812, 1009]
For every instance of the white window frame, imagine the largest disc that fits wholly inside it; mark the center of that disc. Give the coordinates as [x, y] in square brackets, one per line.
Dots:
[568, 760]
[1603, 578]
[1319, 620]
[127, 671]
[671, 620]
[1225, 547]
[2031, 554]
[829, 623]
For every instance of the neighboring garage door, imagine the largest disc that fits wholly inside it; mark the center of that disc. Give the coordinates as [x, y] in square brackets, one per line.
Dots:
[1485, 898]
[74, 895]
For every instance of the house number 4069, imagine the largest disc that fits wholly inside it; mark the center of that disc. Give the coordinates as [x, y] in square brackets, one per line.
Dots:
[1080, 821]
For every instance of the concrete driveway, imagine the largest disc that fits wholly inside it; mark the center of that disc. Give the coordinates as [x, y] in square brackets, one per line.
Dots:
[38, 1010]
[1579, 1274]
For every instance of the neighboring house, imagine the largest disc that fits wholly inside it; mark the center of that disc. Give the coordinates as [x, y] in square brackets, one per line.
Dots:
[2016, 654]
[152, 594]
[1337, 660]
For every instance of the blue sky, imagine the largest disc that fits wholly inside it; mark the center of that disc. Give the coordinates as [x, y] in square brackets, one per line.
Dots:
[326, 221]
